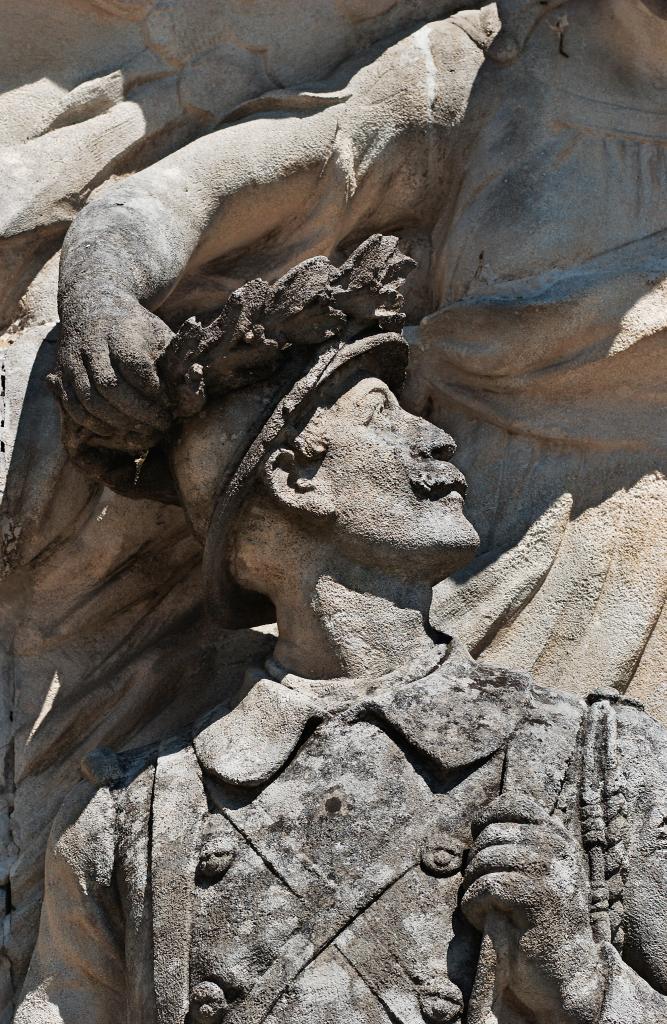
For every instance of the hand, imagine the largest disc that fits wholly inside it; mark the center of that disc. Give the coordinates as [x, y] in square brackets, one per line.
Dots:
[527, 883]
[107, 380]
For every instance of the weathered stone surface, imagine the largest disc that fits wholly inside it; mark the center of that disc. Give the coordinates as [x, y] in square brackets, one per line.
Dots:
[538, 315]
[90, 91]
[372, 827]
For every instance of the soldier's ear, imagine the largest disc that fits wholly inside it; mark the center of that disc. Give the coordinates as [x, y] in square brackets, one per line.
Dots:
[295, 482]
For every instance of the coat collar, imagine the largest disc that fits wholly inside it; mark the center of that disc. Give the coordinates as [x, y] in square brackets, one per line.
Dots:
[446, 706]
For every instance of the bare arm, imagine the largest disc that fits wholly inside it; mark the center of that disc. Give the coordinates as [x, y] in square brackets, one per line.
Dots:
[303, 180]
[127, 250]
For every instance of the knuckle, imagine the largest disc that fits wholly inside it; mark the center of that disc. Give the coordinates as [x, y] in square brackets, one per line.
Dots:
[494, 833]
[479, 891]
[106, 383]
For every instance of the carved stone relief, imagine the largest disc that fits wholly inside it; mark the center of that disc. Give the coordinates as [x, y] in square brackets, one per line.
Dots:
[239, 444]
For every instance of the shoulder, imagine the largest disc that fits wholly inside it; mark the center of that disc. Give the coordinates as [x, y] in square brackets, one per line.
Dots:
[465, 711]
[105, 767]
[82, 841]
[516, 686]
[128, 776]
[93, 815]
[114, 794]
[642, 744]
[419, 80]
[429, 73]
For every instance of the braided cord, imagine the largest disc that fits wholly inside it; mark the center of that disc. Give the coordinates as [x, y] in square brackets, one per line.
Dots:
[604, 820]
[616, 819]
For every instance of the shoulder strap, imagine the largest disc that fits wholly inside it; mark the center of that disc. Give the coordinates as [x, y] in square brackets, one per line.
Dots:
[543, 747]
[538, 761]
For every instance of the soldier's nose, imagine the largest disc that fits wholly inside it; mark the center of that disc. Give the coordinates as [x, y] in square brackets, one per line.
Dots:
[433, 443]
[443, 449]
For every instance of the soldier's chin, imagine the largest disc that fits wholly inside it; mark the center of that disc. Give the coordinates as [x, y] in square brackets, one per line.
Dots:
[456, 549]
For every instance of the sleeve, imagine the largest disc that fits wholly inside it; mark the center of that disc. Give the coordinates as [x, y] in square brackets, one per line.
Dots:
[77, 970]
[629, 999]
[636, 991]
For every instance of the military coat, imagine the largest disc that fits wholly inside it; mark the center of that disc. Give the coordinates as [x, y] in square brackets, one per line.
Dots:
[298, 856]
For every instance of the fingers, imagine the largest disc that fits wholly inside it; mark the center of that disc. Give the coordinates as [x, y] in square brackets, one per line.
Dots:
[510, 893]
[510, 866]
[142, 375]
[136, 363]
[84, 375]
[75, 410]
[108, 382]
[124, 405]
[96, 395]
[507, 808]
[501, 833]
[504, 874]
[505, 857]
[102, 420]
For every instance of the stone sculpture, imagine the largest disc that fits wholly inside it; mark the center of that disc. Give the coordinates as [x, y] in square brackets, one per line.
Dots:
[518, 150]
[375, 827]
[544, 289]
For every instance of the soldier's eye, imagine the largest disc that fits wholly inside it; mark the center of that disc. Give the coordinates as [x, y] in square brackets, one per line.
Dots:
[377, 404]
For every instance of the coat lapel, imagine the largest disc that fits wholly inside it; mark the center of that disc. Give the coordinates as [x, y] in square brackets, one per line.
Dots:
[455, 712]
[458, 716]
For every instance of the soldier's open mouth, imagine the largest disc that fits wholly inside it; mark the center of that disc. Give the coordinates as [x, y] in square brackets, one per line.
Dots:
[435, 484]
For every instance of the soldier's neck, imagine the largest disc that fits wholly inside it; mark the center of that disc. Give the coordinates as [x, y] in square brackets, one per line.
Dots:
[344, 621]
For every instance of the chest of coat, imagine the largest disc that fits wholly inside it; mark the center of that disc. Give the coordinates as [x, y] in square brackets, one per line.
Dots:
[340, 879]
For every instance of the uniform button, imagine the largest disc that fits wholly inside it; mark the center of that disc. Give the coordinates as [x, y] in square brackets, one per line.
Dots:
[208, 1004]
[440, 1007]
[443, 856]
[215, 860]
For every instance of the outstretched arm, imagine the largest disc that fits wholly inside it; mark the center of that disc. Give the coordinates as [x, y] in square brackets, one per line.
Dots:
[127, 250]
[305, 181]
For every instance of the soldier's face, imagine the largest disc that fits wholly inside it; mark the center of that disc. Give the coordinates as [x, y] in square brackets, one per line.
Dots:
[393, 498]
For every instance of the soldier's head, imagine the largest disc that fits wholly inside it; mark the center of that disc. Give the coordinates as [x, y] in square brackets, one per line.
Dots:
[363, 483]
[339, 475]
[289, 444]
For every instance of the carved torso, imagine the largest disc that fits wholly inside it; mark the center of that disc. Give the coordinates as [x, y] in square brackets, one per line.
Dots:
[300, 856]
[331, 887]
[350, 861]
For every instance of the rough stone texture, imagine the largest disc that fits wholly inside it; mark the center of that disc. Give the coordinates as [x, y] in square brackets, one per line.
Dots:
[373, 827]
[539, 230]
[91, 91]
